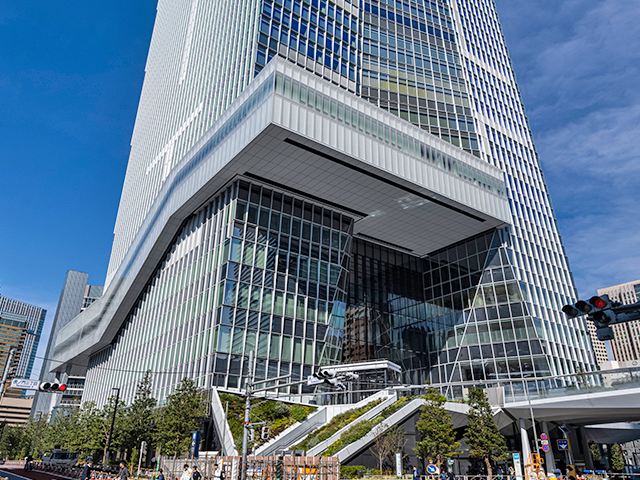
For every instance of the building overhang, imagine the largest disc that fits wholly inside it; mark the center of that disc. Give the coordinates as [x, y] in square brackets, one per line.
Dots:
[404, 187]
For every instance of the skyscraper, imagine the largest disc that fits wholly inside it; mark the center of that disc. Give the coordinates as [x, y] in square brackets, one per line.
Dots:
[75, 296]
[20, 327]
[330, 181]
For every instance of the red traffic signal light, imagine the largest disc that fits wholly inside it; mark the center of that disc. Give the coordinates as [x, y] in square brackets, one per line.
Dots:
[598, 302]
[62, 388]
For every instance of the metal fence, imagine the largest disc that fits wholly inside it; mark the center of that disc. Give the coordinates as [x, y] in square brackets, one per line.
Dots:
[258, 468]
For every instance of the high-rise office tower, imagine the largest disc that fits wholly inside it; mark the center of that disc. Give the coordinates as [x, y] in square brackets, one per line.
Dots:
[20, 328]
[625, 347]
[324, 181]
[75, 296]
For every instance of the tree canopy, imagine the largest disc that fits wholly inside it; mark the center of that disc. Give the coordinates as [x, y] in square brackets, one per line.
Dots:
[436, 429]
[483, 437]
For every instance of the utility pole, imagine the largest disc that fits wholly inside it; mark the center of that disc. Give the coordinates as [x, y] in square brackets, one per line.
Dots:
[33, 445]
[322, 376]
[7, 369]
[247, 417]
[113, 421]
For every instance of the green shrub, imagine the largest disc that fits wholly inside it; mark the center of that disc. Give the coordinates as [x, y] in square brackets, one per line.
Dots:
[298, 412]
[360, 429]
[278, 415]
[336, 423]
[351, 471]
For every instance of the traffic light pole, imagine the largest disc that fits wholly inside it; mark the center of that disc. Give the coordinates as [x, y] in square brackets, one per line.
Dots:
[113, 421]
[332, 379]
[7, 369]
[247, 417]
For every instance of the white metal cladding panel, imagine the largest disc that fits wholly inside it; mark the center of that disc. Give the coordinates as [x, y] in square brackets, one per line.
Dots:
[323, 129]
[89, 326]
[200, 59]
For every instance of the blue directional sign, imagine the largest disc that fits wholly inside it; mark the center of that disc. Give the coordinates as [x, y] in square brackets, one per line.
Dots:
[432, 469]
[563, 444]
[24, 383]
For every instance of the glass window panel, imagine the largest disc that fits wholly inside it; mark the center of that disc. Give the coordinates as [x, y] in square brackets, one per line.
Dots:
[238, 340]
[507, 330]
[290, 307]
[225, 339]
[279, 303]
[300, 309]
[274, 351]
[520, 329]
[286, 349]
[297, 350]
[308, 352]
[263, 345]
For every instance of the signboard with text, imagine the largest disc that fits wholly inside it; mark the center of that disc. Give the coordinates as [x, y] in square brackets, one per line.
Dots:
[25, 383]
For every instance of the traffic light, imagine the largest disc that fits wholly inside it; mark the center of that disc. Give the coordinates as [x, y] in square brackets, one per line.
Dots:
[602, 313]
[52, 387]
[326, 373]
[599, 310]
[264, 433]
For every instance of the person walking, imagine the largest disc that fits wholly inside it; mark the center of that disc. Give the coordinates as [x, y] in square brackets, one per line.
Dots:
[160, 475]
[123, 474]
[196, 475]
[186, 473]
[217, 473]
[416, 473]
[86, 471]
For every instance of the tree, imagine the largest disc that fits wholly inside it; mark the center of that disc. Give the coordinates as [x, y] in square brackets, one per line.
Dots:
[138, 423]
[617, 460]
[387, 442]
[436, 429]
[62, 429]
[484, 440]
[179, 417]
[88, 435]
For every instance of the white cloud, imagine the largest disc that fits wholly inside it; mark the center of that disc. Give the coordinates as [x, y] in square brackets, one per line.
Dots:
[578, 64]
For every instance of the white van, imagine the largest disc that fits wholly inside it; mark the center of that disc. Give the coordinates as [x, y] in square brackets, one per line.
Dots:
[60, 457]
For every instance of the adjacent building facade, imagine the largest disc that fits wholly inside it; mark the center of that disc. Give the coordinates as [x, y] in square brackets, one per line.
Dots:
[325, 182]
[75, 296]
[625, 347]
[20, 328]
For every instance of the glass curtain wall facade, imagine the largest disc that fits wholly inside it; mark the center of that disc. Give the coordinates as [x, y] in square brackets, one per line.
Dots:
[486, 308]
[444, 66]
[254, 270]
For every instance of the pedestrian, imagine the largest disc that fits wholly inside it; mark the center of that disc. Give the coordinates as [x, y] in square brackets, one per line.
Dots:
[86, 471]
[186, 473]
[416, 473]
[196, 475]
[217, 473]
[512, 472]
[160, 475]
[443, 475]
[123, 474]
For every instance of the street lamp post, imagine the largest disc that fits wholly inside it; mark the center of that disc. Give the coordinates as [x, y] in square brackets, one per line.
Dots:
[113, 421]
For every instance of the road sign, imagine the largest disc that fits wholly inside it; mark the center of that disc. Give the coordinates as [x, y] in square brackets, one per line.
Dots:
[563, 444]
[544, 442]
[25, 383]
[543, 436]
[517, 466]
[432, 469]
[545, 448]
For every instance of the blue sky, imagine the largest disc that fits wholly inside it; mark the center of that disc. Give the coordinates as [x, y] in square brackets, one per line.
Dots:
[70, 80]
